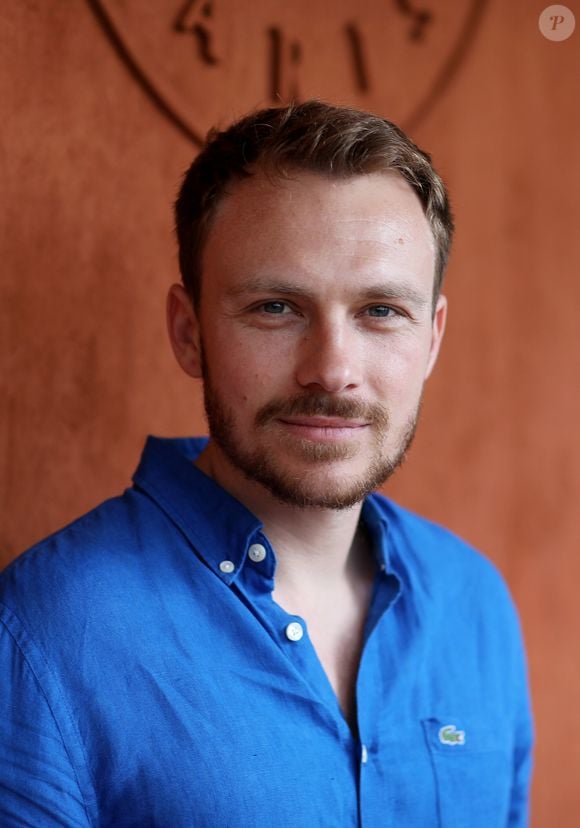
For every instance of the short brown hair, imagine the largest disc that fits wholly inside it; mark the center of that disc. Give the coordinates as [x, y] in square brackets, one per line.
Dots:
[317, 137]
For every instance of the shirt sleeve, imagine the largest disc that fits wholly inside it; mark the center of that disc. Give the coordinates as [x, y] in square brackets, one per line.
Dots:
[38, 783]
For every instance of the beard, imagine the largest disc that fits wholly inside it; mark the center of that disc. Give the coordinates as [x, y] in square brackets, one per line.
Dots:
[304, 488]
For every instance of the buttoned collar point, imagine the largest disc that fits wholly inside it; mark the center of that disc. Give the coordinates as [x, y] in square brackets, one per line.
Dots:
[211, 519]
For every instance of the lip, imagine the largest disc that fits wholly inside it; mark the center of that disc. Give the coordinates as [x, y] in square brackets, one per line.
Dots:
[323, 429]
[323, 422]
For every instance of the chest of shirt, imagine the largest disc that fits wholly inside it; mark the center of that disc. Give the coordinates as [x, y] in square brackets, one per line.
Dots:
[215, 714]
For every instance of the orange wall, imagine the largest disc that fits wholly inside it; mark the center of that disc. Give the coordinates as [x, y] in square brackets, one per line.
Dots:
[89, 167]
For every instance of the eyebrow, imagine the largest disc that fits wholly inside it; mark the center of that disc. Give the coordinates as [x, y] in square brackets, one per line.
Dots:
[391, 291]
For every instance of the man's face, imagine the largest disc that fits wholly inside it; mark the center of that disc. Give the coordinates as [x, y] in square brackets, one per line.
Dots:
[316, 333]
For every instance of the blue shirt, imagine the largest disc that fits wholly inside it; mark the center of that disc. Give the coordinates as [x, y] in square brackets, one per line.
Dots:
[149, 679]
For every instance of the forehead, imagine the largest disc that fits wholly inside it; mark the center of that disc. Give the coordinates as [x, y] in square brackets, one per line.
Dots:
[316, 225]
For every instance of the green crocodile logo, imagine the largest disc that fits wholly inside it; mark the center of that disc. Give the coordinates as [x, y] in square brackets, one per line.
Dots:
[449, 735]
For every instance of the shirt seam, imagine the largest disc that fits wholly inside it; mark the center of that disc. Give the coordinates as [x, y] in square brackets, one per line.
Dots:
[15, 618]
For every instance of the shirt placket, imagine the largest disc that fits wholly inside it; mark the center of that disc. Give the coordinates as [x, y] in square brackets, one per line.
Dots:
[289, 632]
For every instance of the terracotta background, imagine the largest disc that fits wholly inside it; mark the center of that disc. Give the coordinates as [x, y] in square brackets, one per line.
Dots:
[89, 168]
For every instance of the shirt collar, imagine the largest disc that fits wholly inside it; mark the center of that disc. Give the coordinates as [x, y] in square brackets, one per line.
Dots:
[377, 525]
[217, 525]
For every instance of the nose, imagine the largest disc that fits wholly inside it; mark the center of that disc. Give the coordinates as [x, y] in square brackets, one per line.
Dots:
[329, 358]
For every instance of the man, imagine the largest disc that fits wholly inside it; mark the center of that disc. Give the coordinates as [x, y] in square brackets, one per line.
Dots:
[250, 636]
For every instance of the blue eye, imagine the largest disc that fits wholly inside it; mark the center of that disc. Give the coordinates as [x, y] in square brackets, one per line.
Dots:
[380, 311]
[274, 307]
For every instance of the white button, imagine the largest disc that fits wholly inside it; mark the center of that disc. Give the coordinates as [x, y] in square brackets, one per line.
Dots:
[257, 552]
[364, 754]
[227, 566]
[294, 631]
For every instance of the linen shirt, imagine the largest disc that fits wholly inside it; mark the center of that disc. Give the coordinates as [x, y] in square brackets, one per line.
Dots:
[148, 678]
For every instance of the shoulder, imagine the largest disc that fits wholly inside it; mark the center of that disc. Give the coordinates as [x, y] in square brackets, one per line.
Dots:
[90, 561]
[431, 558]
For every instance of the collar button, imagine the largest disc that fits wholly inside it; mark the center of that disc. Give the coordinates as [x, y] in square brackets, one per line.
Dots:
[294, 631]
[257, 552]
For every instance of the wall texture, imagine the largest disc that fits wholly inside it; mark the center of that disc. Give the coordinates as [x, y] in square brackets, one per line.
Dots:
[89, 166]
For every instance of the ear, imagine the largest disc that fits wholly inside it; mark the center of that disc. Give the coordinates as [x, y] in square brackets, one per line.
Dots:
[183, 328]
[437, 331]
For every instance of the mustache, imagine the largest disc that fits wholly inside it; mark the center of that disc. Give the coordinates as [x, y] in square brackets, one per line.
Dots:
[323, 405]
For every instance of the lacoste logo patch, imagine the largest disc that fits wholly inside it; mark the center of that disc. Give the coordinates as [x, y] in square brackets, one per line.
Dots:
[449, 735]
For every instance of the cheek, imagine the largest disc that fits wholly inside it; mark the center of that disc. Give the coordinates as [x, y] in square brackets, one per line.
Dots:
[246, 368]
[397, 372]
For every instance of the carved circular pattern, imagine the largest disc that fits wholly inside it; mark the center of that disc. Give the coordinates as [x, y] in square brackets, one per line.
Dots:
[204, 62]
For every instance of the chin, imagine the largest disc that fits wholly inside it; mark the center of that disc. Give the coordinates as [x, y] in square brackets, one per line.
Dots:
[342, 486]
